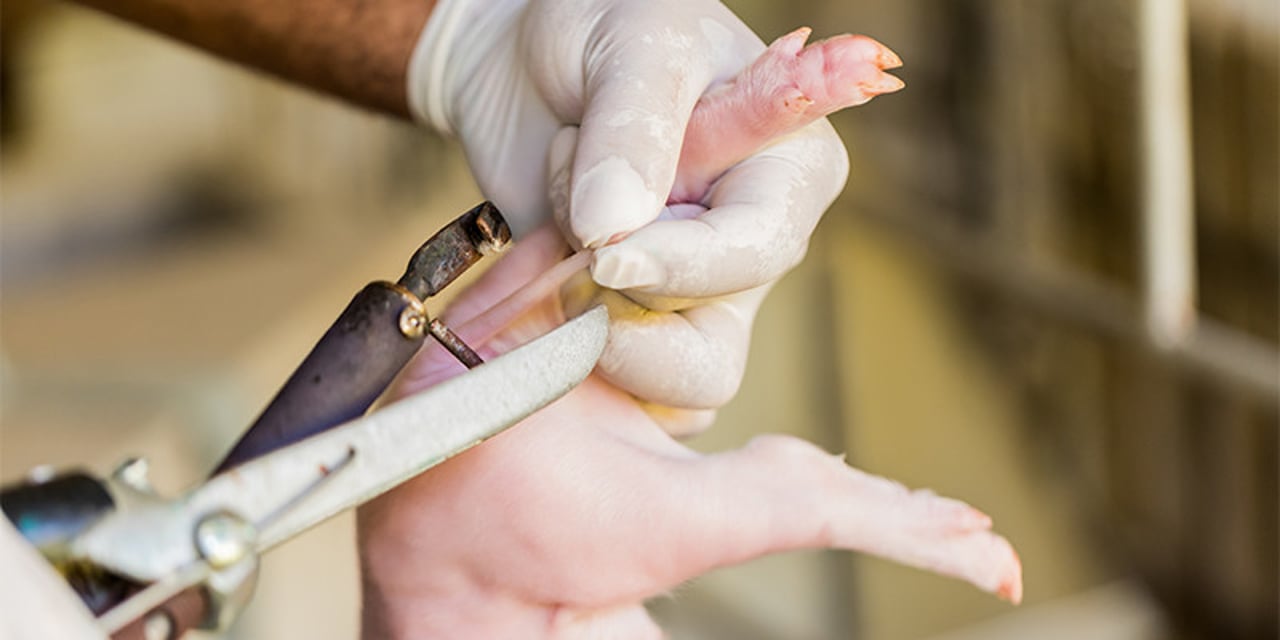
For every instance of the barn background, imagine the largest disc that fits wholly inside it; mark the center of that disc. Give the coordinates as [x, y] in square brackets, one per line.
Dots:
[1050, 289]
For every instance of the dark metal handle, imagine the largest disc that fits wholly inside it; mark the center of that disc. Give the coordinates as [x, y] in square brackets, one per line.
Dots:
[344, 373]
[377, 334]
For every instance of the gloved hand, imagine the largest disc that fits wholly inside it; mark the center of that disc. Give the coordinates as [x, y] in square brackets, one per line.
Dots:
[575, 110]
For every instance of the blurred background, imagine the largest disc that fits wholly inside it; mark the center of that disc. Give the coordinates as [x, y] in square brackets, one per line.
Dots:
[1050, 289]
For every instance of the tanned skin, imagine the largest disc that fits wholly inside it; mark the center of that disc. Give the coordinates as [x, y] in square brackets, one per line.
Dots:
[357, 50]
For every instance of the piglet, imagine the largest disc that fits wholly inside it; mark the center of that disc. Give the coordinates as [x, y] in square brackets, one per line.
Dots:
[562, 526]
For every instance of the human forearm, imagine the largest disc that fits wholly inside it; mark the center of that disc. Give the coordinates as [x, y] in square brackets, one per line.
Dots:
[353, 49]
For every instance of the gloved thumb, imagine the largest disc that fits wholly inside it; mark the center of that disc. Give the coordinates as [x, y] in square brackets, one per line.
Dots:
[639, 94]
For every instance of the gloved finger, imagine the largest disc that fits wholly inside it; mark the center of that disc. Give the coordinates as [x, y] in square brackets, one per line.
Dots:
[784, 90]
[640, 88]
[560, 157]
[692, 359]
[761, 215]
[676, 422]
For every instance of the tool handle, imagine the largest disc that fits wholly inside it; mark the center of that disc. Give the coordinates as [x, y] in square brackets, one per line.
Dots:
[345, 372]
[377, 334]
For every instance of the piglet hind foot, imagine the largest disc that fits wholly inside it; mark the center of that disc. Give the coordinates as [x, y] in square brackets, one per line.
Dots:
[815, 500]
[788, 87]
[842, 71]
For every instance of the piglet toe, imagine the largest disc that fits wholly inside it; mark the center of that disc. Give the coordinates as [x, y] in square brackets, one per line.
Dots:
[1010, 587]
[881, 83]
[790, 44]
[871, 50]
[1001, 571]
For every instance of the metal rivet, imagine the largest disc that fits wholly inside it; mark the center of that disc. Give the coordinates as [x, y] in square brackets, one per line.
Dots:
[224, 539]
[157, 626]
[412, 322]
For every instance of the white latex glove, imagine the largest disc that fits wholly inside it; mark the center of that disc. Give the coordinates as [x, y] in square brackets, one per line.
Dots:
[575, 109]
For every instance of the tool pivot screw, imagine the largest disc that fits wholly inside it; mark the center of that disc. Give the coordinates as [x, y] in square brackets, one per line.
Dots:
[413, 322]
[224, 539]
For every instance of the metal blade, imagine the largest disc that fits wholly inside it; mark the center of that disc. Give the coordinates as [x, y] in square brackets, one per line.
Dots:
[296, 487]
[413, 435]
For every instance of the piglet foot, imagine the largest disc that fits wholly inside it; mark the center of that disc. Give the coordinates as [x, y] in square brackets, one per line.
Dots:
[829, 75]
[789, 86]
[821, 502]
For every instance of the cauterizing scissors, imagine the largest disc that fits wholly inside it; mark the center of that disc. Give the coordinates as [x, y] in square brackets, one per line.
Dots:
[155, 567]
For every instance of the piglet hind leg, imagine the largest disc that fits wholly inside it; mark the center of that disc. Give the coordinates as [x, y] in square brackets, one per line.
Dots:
[811, 499]
[561, 527]
[602, 516]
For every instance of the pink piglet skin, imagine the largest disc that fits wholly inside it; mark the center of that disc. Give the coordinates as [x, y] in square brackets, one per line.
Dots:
[786, 88]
